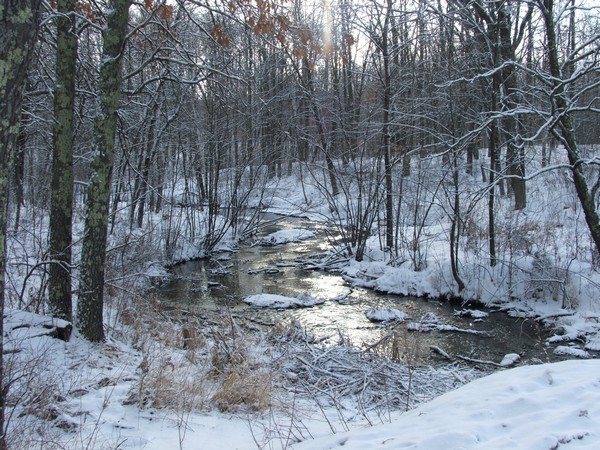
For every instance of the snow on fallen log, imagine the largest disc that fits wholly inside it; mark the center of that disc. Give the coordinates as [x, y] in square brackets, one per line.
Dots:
[430, 322]
[473, 313]
[386, 315]
[563, 350]
[510, 360]
[20, 325]
[282, 302]
[507, 361]
[285, 237]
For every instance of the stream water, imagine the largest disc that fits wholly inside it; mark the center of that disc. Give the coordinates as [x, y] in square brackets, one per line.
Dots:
[210, 287]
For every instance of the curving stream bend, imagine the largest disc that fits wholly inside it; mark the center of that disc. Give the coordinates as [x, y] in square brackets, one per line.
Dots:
[209, 287]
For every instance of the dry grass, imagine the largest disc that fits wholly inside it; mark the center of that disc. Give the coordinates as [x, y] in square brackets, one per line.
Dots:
[243, 387]
[191, 366]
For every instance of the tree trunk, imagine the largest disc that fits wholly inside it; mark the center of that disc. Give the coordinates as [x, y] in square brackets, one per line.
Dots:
[91, 287]
[387, 160]
[18, 31]
[455, 225]
[563, 130]
[306, 79]
[61, 210]
[514, 157]
[493, 145]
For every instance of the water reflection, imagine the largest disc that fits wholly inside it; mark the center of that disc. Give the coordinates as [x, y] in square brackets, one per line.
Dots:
[208, 287]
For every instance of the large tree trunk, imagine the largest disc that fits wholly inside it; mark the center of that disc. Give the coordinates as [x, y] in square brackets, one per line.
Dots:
[91, 287]
[61, 211]
[18, 31]
[514, 153]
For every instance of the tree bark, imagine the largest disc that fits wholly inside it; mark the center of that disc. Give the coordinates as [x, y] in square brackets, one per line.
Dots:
[387, 100]
[563, 129]
[514, 154]
[61, 210]
[18, 31]
[91, 287]
[493, 147]
[455, 225]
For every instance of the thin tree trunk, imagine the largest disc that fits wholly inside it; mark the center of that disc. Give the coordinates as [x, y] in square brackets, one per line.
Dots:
[91, 287]
[19, 171]
[514, 161]
[455, 227]
[61, 210]
[387, 160]
[321, 131]
[492, 194]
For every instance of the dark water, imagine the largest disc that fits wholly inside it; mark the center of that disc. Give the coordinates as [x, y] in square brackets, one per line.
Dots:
[209, 287]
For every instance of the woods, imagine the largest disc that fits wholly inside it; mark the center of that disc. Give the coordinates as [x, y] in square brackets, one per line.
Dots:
[228, 96]
[154, 132]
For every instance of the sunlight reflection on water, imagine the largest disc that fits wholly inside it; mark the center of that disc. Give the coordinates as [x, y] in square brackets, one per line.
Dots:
[209, 287]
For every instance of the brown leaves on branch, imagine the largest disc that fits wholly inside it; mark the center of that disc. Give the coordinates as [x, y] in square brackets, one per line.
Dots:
[219, 34]
[86, 10]
[348, 39]
[268, 18]
[162, 11]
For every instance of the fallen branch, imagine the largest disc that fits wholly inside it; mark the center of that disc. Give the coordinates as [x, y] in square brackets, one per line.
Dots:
[446, 355]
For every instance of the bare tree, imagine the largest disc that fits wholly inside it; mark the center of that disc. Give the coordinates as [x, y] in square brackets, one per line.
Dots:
[562, 79]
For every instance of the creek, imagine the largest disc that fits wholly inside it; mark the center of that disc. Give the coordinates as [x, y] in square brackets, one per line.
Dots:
[211, 287]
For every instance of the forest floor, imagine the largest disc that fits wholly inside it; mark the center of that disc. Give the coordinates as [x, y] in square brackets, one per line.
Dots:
[167, 381]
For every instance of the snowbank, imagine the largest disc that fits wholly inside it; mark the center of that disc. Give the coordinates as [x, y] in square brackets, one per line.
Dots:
[531, 407]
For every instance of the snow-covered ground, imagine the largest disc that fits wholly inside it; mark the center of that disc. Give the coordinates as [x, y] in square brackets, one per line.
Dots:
[157, 385]
[544, 406]
[547, 406]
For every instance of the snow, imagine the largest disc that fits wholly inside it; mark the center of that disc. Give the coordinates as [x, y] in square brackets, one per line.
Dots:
[593, 342]
[530, 407]
[566, 350]
[386, 315]
[286, 236]
[474, 313]
[510, 360]
[281, 301]
[79, 395]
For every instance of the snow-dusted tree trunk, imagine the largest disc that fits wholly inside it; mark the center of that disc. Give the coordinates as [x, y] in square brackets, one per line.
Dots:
[61, 210]
[563, 128]
[18, 31]
[91, 287]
